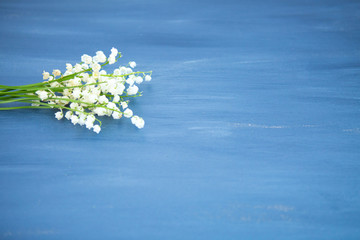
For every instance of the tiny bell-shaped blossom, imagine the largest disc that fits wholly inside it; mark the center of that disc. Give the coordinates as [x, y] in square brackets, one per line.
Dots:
[124, 105]
[42, 94]
[74, 105]
[46, 75]
[122, 70]
[132, 64]
[138, 121]
[77, 68]
[76, 93]
[96, 129]
[114, 51]
[100, 56]
[112, 59]
[96, 67]
[89, 124]
[68, 115]
[147, 78]
[116, 98]
[103, 99]
[117, 72]
[59, 115]
[128, 113]
[132, 90]
[130, 80]
[86, 59]
[116, 115]
[56, 72]
[74, 119]
[69, 67]
[82, 119]
[128, 70]
[138, 79]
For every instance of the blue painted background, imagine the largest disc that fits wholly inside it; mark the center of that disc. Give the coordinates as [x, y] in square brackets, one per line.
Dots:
[252, 122]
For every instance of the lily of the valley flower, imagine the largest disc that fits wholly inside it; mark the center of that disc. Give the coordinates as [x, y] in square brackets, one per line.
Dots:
[85, 91]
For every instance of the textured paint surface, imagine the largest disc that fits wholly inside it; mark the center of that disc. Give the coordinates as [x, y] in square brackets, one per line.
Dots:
[252, 122]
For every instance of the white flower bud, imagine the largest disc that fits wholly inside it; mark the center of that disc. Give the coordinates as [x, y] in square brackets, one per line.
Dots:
[42, 94]
[124, 105]
[132, 90]
[116, 98]
[147, 78]
[56, 72]
[74, 119]
[59, 115]
[68, 115]
[103, 99]
[132, 64]
[138, 121]
[100, 56]
[128, 113]
[138, 79]
[97, 129]
[46, 75]
[114, 51]
[69, 67]
[111, 59]
[86, 59]
[96, 67]
[116, 115]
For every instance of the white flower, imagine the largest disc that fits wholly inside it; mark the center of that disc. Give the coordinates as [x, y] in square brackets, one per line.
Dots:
[100, 111]
[138, 79]
[132, 64]
[100, 56]
[86, 59]
[68, 115]
[130, 80]
[103, 99]
[138, 121]
[91, 118]
[122, 70]
[46, 75]
[82, 119]
[132, 90]
[117, 72]
[116, 115]
[77, 68]
[116, 98]
[74, 119]
[147, 78]
[69, 67]
[85, 66]
[89, 121]
[111, 105]
[114, 51]
[89, 124]
[42, 94]
[90, 98]
[56, 72]
[76, 93]
[97, 129]
[111, 59]
[59, 115]
[124, 105]
[74, 105]
[128, 113]
[128, 70]
[96, 67]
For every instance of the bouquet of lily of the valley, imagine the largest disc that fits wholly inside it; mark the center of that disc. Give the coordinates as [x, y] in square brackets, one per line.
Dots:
[83, 92]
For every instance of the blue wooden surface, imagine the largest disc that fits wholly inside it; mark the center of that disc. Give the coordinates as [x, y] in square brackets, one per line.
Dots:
[252, 122]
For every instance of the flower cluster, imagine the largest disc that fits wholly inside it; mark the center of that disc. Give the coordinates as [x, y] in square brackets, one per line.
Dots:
[85, 91]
